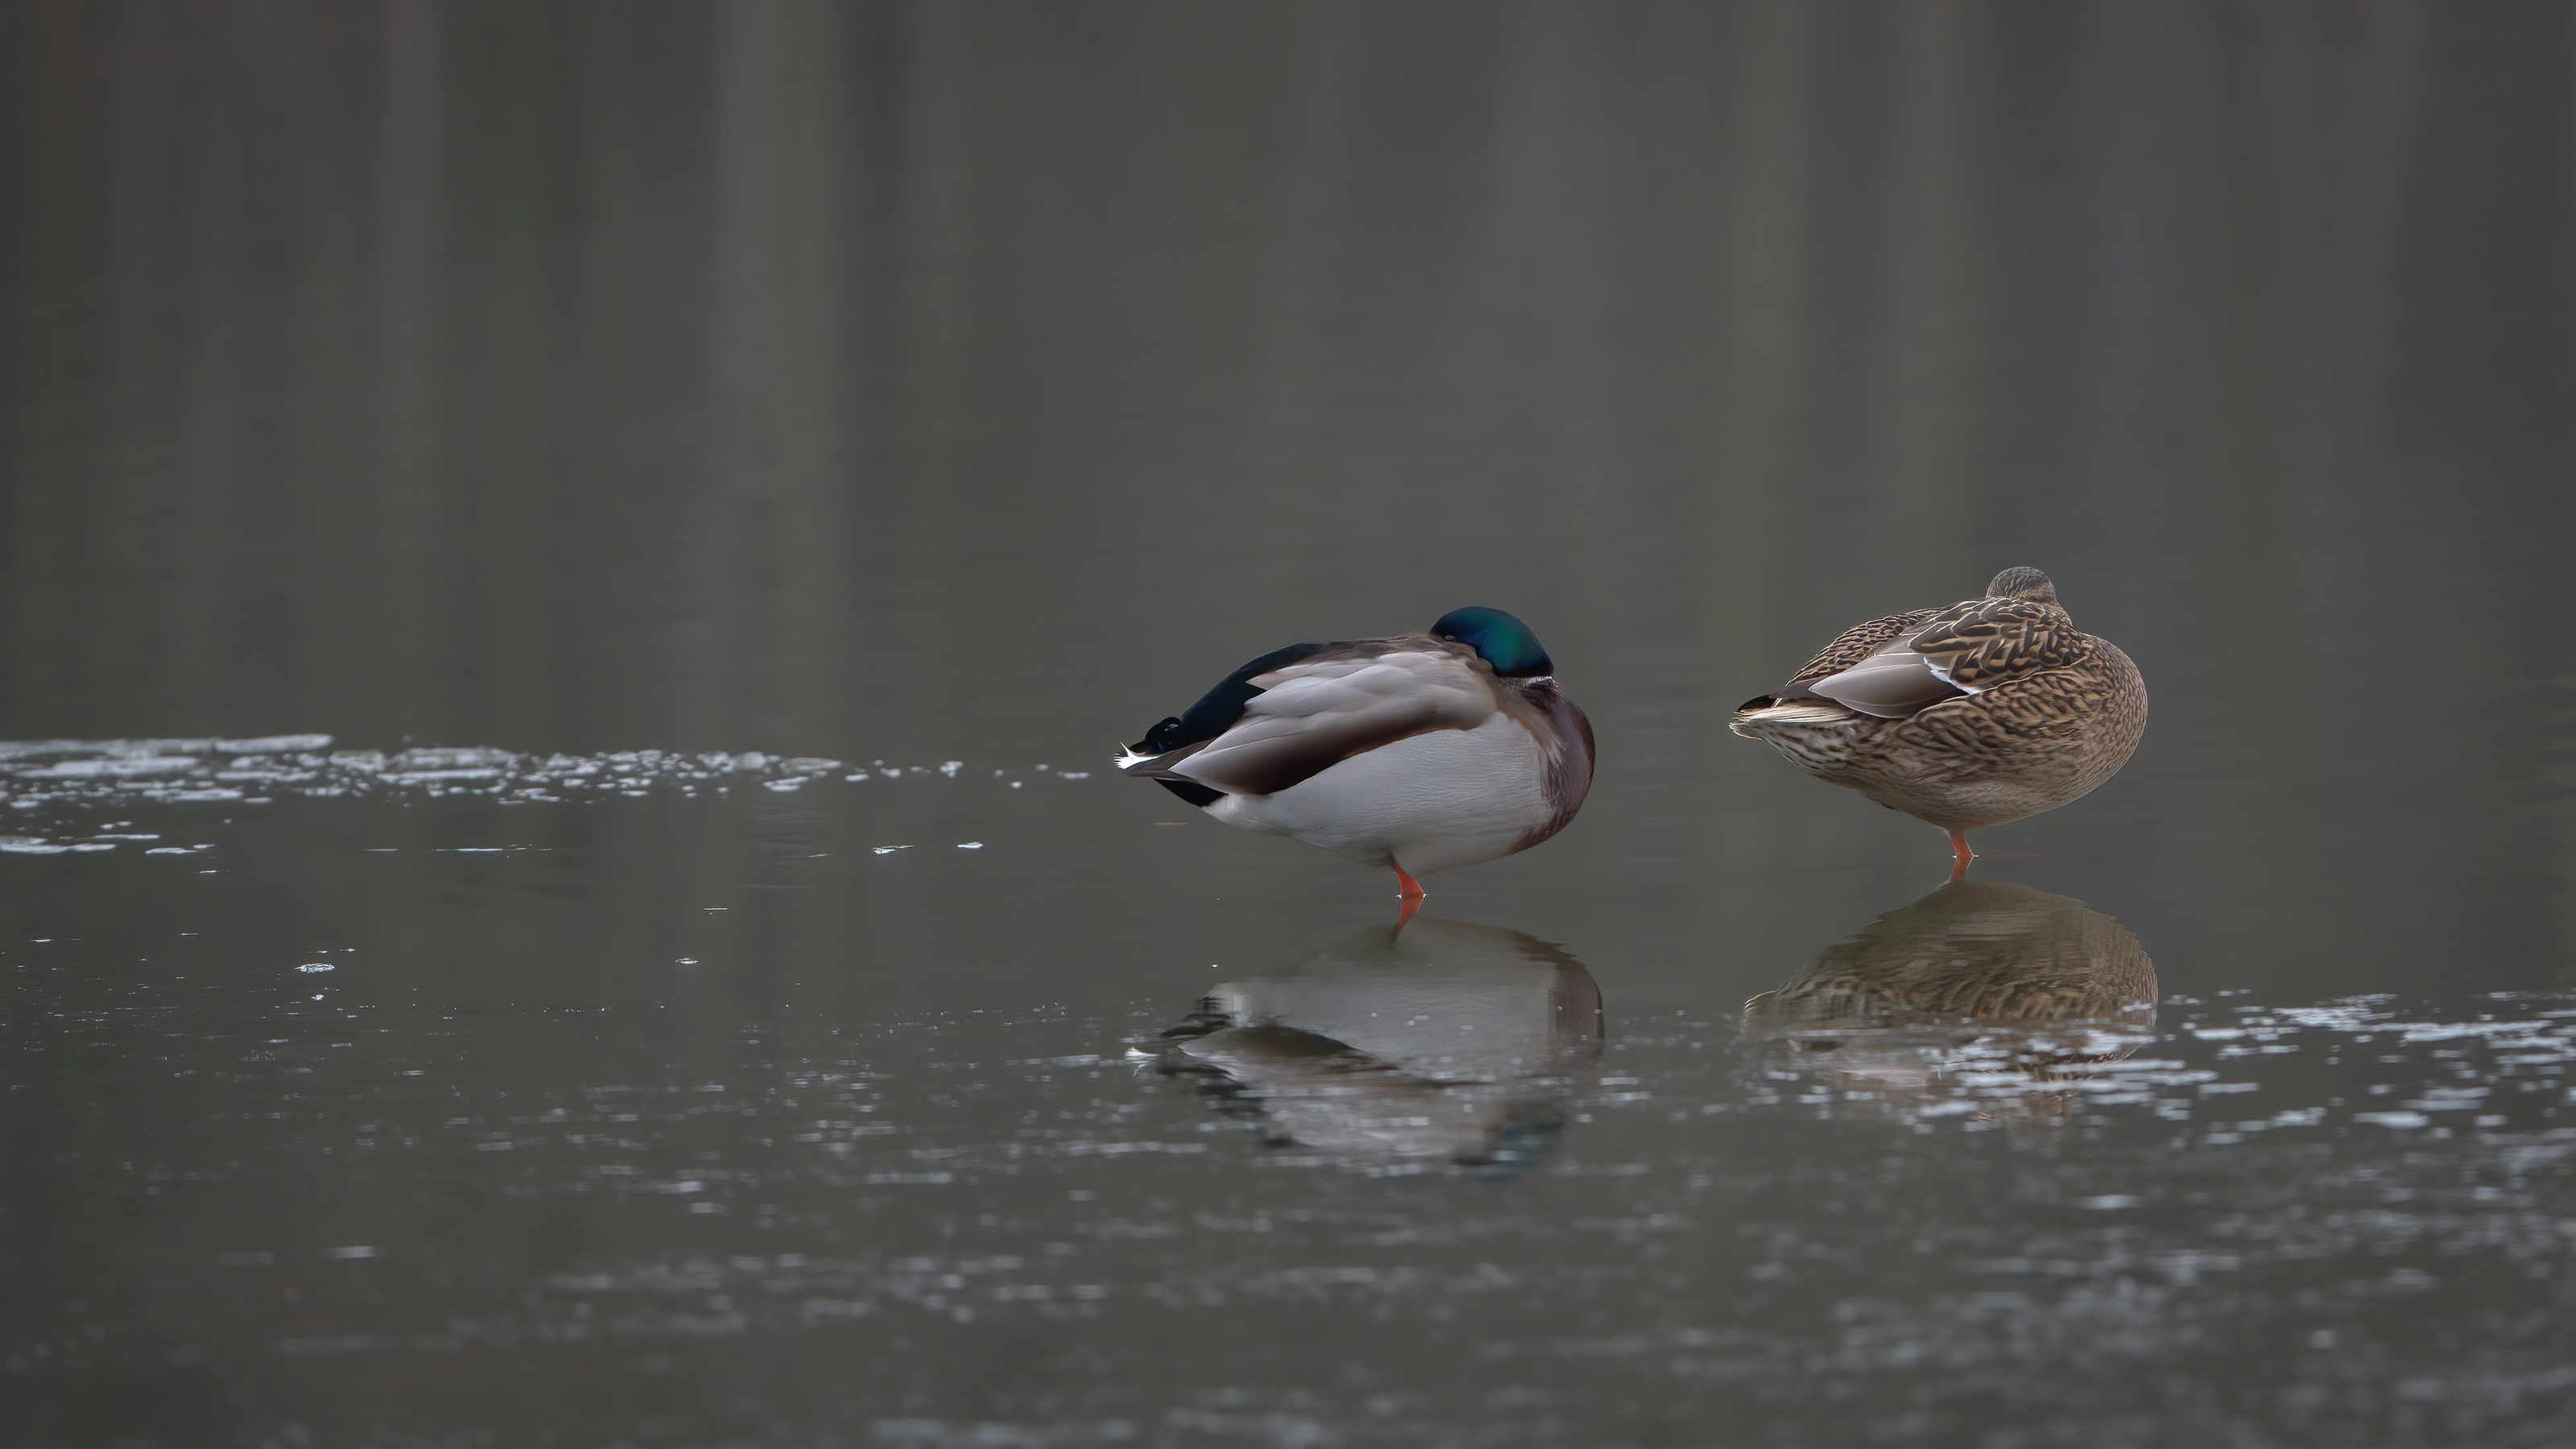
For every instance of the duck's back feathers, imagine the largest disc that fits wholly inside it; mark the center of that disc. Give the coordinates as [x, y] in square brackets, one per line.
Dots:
[1319, 711]
[1215, 713]
[1985, 642]
[1218, 709]
[1902, 665]
[2017, 600]
[1853, 645]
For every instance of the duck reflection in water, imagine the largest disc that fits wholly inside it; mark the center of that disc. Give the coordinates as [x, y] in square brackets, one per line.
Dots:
[1404, 1046]
[1967, 1001]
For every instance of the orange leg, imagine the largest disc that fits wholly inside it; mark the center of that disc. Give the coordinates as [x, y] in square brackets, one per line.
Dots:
[1960, 855]
[1409, 891]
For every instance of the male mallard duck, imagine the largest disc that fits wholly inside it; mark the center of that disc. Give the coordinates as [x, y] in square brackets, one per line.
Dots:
[1969, 716]
[1421, 752]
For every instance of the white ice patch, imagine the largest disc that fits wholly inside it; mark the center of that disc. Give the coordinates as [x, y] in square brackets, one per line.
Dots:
[116, 773]
[2488, 1065]
[83, 769]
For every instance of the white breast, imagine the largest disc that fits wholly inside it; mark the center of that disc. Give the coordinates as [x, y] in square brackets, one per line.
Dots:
[1435, 801]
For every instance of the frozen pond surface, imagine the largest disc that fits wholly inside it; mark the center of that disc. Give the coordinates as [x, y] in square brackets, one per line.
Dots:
[697, 1114]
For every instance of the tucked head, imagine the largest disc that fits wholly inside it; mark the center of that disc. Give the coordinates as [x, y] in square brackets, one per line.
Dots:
[1505, 642]
[2023, 583]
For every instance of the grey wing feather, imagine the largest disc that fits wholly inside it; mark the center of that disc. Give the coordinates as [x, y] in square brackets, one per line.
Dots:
[1891, 684]
[1311, 717]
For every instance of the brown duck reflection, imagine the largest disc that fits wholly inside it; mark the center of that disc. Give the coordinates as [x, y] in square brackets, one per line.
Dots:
[1963, 1000]
[1413, 1045]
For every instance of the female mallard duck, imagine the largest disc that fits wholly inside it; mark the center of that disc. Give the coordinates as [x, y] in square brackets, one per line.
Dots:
[1974, 715]
[1422, 752]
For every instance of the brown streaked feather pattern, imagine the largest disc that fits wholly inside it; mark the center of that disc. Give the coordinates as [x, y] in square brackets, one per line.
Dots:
[2052, 712]
[1986, 641]
[2029, 725]
[1858, 642]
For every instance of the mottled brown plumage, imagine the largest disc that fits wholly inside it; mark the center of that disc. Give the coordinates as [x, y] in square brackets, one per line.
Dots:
[1976, 978]
[1977, 953]
[1985, 712]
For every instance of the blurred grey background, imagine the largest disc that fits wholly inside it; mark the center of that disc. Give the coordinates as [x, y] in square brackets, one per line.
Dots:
[784, 372]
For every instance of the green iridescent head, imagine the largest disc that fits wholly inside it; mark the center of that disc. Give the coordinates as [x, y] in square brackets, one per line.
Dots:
[1505, 642]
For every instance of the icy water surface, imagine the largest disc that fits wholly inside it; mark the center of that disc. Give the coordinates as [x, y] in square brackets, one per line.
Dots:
[410, 1100]
[569, 575]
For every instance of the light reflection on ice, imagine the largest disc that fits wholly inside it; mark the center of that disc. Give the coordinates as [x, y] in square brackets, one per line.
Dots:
[71, 775]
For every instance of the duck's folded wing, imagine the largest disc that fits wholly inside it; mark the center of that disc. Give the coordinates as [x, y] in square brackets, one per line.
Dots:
[1891, 684]
[1858, 671]
[1853, 645]
[1215, 712]
[1309, 717]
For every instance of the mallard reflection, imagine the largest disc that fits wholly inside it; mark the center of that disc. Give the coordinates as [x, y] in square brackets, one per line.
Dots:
[1964, 1001]
[1412, 1045]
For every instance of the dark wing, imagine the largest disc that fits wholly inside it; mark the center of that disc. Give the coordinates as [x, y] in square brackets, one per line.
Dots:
[1216, 711]
[1220, 707]
[1306, 712]
[1313, 715]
